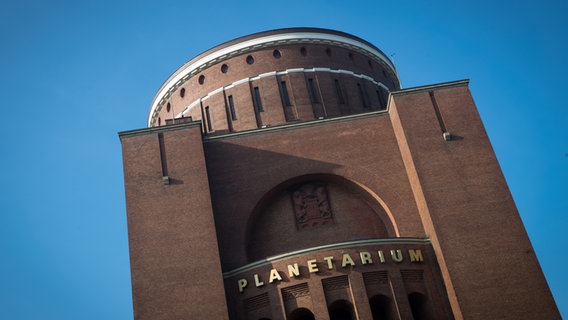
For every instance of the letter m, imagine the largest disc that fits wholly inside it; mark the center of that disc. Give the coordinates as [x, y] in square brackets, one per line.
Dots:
[415, 255]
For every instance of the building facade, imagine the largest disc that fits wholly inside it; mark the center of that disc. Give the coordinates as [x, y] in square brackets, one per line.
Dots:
[286, 175]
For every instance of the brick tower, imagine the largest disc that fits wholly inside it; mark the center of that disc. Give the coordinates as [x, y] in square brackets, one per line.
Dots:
[286, 175]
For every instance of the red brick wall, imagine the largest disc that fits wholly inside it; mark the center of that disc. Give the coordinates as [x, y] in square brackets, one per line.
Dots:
[173, 246]
[389, 175]
[487, 260]
[394, 166]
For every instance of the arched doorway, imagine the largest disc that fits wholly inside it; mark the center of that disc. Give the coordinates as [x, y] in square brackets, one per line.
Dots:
[381, 307]
[301, 314]
[420, 306]
[341, 310]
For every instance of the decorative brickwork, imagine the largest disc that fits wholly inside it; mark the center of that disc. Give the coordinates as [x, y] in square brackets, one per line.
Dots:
[311, 205]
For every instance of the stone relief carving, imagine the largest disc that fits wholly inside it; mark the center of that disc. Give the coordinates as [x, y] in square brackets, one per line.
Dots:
[311, 205]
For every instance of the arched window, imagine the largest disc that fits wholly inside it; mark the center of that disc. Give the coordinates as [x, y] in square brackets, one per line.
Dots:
[381, 307]
[301, 314]
[341, 310]
[420, 306]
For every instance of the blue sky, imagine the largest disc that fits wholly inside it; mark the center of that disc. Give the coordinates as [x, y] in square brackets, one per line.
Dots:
[74, 73]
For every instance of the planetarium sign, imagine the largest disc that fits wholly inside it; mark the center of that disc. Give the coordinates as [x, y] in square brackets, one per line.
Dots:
[336, 260]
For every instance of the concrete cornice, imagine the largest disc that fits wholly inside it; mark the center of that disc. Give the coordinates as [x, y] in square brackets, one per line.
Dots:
[334, 246]
[269, 74]
[294, 125]
[431, 87]
[170, 127]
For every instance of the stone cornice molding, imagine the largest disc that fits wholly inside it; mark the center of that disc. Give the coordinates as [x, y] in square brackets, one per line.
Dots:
[270, 74]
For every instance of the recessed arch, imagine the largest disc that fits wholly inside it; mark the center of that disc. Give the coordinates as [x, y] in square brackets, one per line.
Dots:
[420, 306]
[355, 213]
[341, 310]
[381, 307]
[301, 314]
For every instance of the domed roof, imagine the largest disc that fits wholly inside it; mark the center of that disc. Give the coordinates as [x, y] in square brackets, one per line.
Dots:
[256, 41]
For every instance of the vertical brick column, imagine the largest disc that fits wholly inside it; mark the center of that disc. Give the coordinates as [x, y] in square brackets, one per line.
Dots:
[176, 272]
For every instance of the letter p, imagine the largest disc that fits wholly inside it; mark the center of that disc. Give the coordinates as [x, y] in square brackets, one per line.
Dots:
[242, 283]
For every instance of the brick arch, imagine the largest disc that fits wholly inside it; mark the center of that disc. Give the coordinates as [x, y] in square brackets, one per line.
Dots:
[315, 210]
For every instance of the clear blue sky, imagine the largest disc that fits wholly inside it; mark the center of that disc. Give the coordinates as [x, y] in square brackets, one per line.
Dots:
[74, 73]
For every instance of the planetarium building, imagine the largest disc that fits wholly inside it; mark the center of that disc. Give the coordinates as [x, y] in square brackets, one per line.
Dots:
[287, 175]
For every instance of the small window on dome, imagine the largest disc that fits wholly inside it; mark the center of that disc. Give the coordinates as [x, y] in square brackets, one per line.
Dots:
[250, 59]
[258, 99]
[232, 108]
[208, 119]
[224, 68]
[303, 51]
[277, 54]
[339, 92]
[312, 91]
[201, 79]
[182, 92]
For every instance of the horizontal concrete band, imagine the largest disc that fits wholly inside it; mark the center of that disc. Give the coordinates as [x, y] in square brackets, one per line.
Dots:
[340, 245]
[264, 75]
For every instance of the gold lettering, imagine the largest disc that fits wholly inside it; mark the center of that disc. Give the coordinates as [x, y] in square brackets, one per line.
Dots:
[293, 270]
[257, 281]
[381, 256]
[312, 266]
[329, 262]
[366, 257]
[415, 255]
[347, 260]
[396, 255]
[274, 275]
[242, 283]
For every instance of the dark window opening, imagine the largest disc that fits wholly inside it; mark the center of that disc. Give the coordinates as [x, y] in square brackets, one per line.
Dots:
[201, 79]
[341, 310]
[182, 92]
[328, 52]
[381, 308]
[208, 119]
[258, 99]
[303, 51]
[168, 107]
[232, 108]
[285, 96]
[312, 91]
[420, 306]
[339, 92]
[363, 96]
[382, 95]
[250, 59]
[277, 54]
[301, 314]
[224, 68]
